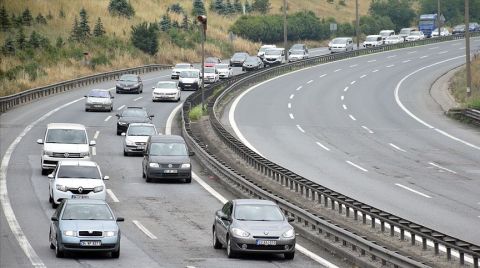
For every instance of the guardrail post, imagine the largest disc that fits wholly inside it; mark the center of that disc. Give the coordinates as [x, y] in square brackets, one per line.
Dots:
[449, 253]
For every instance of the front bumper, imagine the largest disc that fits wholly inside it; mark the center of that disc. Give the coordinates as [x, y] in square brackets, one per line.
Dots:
[50, 162]
[98, 106]
[58, 196]
[236, 63]
[72, 244]
[164, 97]
[282, 245]
[193, 86]
[338, 49]
[135, 149]
[210, 80]
[165, 173]
[127, 89]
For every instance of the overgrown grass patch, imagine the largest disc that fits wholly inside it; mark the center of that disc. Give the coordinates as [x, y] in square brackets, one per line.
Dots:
[458, 86]
[196, 113]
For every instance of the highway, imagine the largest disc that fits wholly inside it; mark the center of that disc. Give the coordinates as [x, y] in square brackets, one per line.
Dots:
[368, 128]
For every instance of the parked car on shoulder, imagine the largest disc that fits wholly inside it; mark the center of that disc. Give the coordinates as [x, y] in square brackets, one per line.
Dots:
[190, 79]
[393, 39]
[166, 90]
[262, 49]
[224, 70]
[238, 59]
[341, 44]
[167, 157]
[129, 83]
[84, 225]
[274, 56]
[76, 180]
[180, 67]
[415, 36]
[132, 115]
[443, 32]
[373, 41]
[459, 29]
[99, 100]
[136, 137]
[212, 61]
[252, 63]
[253, 226]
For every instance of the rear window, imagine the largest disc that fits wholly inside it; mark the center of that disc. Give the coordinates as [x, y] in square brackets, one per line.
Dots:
[67, 136]
[141, 131]
[80, 172]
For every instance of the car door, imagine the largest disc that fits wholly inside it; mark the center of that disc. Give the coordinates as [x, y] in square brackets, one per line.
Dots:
[222, 225]
[54, 225]
[145, 156]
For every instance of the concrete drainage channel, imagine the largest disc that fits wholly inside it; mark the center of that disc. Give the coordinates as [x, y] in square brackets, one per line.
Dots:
[412, 240]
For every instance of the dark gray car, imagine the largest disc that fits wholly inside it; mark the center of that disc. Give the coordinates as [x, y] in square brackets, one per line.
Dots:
[167, 157]
[255, 226]
[129, 83]
[132, 115]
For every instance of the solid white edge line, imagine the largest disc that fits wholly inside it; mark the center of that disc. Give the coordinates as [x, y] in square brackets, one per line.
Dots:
[357, 166]
[112, 196]
[121, 107]
[315, 257]
[300, 128]
[412, 190]
[323, 146]
[96, 134]
[442, 168]
[108, 118]
[5, 200]
[291, 116]
[168, 126]
[351, 117]
[396, 147]
[144, 229]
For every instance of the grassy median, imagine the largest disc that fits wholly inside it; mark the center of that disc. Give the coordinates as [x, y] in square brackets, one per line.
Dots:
[458, 85]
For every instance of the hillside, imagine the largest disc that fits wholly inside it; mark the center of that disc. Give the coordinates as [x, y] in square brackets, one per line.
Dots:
[28, 69]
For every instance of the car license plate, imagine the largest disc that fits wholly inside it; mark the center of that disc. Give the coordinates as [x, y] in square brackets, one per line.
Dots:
[90, 243]
[187, 85]
[75, 196]
[266, 242]
[141, 147]
[170, 171]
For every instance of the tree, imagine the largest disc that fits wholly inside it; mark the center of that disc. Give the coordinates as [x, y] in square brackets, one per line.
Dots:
[40, 19]
[21, 39]
[9, 46]
[185, 24]
[198, 8]
[34, 40]
[4, 20]
[27, 18]
[219, 6]
[176, 8]
[98, 30]
[59, 43]
[229, 8]
[248, 7]
[83, 25]
[121, 8]
[399, 11]
[49, 15]
[262, 6]
[61, 13]
[238, 6]
[76, 33]
[144, 37]
[165, 23]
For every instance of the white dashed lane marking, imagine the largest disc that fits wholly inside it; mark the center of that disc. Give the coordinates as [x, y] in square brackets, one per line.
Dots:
[300, 128]
[289, 105]
[144, 229]
[357, 166]
[353, 82]
[405, 61]
[374, 71]
[137, 98]
[323, 146]
[292, 96]
[411, 52]
[363, 76]
[309, 81]
[413, 191]
[342, 97]
[96, 135]
[121, 107]
[112, 196]
[344, 107]
[423, 57]
[372, 61]
[345, 89]
[396, 147]
[443, 52]
[94, 151]
[323, 75]
[337, 70]
[352, 66]
[298, 88]
[393, 56]
[391, 65]
[367, 129]
[433, 48]
[291, 116]
[442, 168]
[108, 118]
[351, 117]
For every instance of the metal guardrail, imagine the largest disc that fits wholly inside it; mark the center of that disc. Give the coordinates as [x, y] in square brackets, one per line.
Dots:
[9, 102]
[311, 190]
[473, 115]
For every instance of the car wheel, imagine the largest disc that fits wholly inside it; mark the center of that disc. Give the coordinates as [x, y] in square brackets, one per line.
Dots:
[52, 246]
[116, 91]
[147, 178]
[289, 255]
[189, 180]
[111, 108]
[54, 205]
[230, 253]
[119, 132]
[58, 251]
[50, 199]
[216, 243]
[86, 110]
[44, 171]
[125, 153]
[116, 253]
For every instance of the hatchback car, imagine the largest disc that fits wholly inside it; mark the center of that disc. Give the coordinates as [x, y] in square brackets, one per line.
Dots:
[180, 67]
[415, 36]
[252, 63]
[238, 59]
[64, 141]
[210, 75]
[132, 115]
[189, 80]
[224, 71]
[85, 225]
[76, 180]
[99, 99]
[166, 90]
[136, 137]
[167, 157]
[129, 83]
[253, 226]
[394, 39]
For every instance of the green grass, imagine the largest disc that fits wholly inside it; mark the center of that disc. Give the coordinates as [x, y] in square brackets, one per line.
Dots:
[458, 86]
[196, 113]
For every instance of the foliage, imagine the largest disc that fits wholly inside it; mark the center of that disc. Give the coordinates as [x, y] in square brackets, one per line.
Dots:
[399, 11]
[374, 24]
[101, 59]
[40, 19]
[4, 20]
[195, 113]
[34, 40]
[185, 24]
[261, 6]
[452, 10]
[98, 30]
[27, 18]
[181, 38]
[121, 8]
[83, 25]
[21, 39]
[165, 23]
[198, 8]
[248, 7]
[176, 8]
[238, 6]
[144, 37]
[9, 46]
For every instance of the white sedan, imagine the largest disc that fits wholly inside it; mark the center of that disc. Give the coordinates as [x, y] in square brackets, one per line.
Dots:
[443, 32]
[415, 36]
[393, 39]
[166, 90]
[224, 70]
[180, 67]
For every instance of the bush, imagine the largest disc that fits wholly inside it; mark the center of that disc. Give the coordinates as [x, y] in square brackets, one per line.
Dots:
[144, 37]
[198, 8]
[101, 59]
[121, 8]
[195, 113]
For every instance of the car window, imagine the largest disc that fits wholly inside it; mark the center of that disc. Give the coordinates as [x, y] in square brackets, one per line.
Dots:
[80, 172]
[210, 70]
[273, 52]
[134, 113]
[99, 94]
[129, 78]
[182, 66]
[227, 208]
[189, 74]
[87, 212]
[222, 66]
[68, 136]
[258, 213]
[141, 131]
[168, 149]
[166, 85]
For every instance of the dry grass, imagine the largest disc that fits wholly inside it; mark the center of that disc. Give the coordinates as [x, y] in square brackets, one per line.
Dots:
[458, 85]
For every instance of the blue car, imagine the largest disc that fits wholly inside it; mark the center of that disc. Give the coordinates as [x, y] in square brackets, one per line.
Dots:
[80, 225]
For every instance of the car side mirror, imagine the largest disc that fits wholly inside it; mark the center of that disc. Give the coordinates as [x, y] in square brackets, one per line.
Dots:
[224, 217]
[290, 219]
[191, 153]
[106, 178]
[120, 219]
[112, 97]
[117, 115]
[93, 143]
[124, 134]
[151, 116]
[40, 141]
[54, 218]
[50, 176]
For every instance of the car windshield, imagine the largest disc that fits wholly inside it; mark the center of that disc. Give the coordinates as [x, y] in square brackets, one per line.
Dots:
[99, 94]
[166, 85]
[297, 47]
[339, 41]
[405, 31]
[210, 70]
[134, 113]
[251, 60]
[273, 52]
[222, 66]
[182, 66]
[80, 172]
[168, 149]
[189, 74]
[68, 136]
[459, 27]
[238, 56]
[87, 212]
[128, 78]
[372, 38]
[392, 37]
[141, 130]
[211, 60]
[385, 33]
[258, 213]
[297, 52]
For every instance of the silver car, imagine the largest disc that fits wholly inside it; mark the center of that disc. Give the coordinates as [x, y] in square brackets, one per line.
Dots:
[81, 225]
[136, 138]
[253, 226]
[99, 99]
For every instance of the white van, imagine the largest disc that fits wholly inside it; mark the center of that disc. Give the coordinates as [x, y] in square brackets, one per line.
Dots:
[341, 44]
[64, 141]
[261, 51]
[274, 56]
[386, 33]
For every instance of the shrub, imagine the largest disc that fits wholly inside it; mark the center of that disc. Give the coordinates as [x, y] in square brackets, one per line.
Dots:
[98, 30]
[198, 8]
[195, 113]
[262, 6]
[4, 20]
[176, 8]
[144, 37]
[27, 18]
[121, 8]
[40, 19]
[101, 59]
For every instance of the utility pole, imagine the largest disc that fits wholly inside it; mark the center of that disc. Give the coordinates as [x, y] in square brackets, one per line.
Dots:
[467, 48]
[357, 23]
[285, 28]
[438, 18]
[203, 20]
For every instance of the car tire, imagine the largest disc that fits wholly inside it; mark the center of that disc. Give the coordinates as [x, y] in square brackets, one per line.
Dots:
[116, 253]
[44, 171]
[147, 178]
[50, 199]
[58, 252]
[289, 255]
[230, 252]
[54, 206]
[125, 153]
[111, 108]
[86, 110]
[216, 243]
[189, 180]
[119, 133]
[52, 246]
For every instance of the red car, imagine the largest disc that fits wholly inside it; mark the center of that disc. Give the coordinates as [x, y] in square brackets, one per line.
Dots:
[212, 61]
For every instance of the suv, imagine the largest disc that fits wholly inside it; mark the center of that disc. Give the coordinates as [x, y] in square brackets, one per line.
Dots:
[132, 115]
[64, 141]
[167, 157]
[210, 75]
[405, 32]
[238, 59]
[189, 79]
[129, 83]
[341, 44]
[274, 56]
[76, 180]
[180, 67]
[386, 33]
[136, 137]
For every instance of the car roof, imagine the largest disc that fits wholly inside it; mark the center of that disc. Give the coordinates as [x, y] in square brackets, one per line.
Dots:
[166, 138]
[80, 163]
[374, 35]
[141, 124]
[85, 201]
[65, 126]
[253, 202]
[135, 107]
[183, 63]
[99, 89]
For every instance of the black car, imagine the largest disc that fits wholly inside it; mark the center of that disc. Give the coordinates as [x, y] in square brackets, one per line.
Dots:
[167, 157]
[132, 115]
[238, 59]
[129, 83]
[252, 63]
[459, 29]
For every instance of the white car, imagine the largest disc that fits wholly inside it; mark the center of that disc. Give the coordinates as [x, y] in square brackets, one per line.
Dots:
[373, 41]
[224, 70]
[166, 90]
[210, 75]
[136, 137]
[386, 33]
[64, 141]
[394, 39]
[261, 51]
[274, 56]
[190, 79]
[297, 55]
[341, 44]
[180, 67]
[443, 32]
[415, 36]
[76, 180]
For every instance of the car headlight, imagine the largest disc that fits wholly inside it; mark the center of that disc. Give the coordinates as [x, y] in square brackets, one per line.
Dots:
[49, 153]
[240, 232]
[70, 233]
[84, 154]
[98, 189]
[109, 233]
[130, 143]
[122, 123]
[154, 165]
[60, 187]
[186, 165]
[289, 234]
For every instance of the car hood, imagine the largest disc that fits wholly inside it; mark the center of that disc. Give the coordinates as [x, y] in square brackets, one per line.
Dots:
[88, 225]
[274, 228]
[126, 83]
[209, 75]
[178, 70]
[99, 100]
[66, 148]
[170, 159]
[137, 138]
[165, 90]
[188, 80]
[134, 120]
[79, 182]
